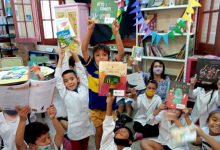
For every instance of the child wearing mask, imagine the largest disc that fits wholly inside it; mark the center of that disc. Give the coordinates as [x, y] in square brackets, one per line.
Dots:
[73, 89]
[9, 120]
[35, 135]
[121, 139]
[207, 100]
[146, 104]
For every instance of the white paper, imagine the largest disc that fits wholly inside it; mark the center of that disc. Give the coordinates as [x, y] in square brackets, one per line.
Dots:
[136, 80]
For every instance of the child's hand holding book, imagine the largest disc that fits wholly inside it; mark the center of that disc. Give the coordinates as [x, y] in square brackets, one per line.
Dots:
[51, 111]
[23, 112]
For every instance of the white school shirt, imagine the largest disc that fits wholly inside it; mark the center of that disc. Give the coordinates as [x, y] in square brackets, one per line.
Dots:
[205, 145]
[79, 124]
[145, 108]
[107, 141]
[165, 126]
[8, 132]
[201, 107]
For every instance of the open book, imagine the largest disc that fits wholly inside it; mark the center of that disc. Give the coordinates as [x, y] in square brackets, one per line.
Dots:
[136, 81]
[36, 94]
[137, 53]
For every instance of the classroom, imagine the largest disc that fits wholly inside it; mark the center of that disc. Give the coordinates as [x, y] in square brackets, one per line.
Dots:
[109, 74]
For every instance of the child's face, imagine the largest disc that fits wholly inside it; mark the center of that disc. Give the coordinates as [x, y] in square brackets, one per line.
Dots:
[214, 124]
[70, 81]
[100, 55]
[122, 133]
[43, 140]
[150, 90]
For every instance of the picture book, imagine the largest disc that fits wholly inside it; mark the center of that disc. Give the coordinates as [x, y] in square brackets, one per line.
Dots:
[36, 94]
[65, 34]
[112, 78]
[103, 11]
[137, 53]
[208, 69]
[177, 96]
[135, 80]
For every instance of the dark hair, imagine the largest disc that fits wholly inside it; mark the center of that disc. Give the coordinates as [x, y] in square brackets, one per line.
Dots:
[101, 47]
[69, 71]
[72, 61]
[152, 81]
[34, 130]
[214, 87]
[213, 112]
[131, 137]
[163, 76]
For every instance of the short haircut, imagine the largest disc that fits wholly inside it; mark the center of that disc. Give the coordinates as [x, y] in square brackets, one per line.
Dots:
[213, 112]
[72, 61]
[131, 137]
[69, 71]
[101, 47]
[153, 82]
[34, 130]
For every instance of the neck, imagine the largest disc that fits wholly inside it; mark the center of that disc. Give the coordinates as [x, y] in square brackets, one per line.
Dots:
[157, 77]
[10, 117]
[120, 147]
[149, 98]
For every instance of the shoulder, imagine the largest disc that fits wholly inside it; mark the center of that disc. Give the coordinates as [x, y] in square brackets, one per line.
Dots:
[157, 98]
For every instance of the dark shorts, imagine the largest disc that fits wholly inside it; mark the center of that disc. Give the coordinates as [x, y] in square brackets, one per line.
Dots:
[122, 102]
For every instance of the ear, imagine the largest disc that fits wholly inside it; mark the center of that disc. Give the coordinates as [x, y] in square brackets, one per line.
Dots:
[32, 146]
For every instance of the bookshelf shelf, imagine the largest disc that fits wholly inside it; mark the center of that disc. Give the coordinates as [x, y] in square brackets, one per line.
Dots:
[164, 8]
[184, 34]
[163, 59]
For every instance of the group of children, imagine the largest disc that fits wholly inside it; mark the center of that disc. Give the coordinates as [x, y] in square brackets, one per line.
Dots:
[78, 88]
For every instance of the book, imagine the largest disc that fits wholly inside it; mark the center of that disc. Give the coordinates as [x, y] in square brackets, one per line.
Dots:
[112, 78]
[151, 21]
[136, 80]
[208, 69]
[103, 11]
[137, 53]
[65, 34]
[177, 95]
[36, 94]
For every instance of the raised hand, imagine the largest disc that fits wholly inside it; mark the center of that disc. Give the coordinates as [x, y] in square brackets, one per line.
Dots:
[23, 112]
[110, 98]
[51, 111]
[61, 53]
[91, 24]
[115, 27]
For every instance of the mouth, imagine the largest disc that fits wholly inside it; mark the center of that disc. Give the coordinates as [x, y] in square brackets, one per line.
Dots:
[216, 129]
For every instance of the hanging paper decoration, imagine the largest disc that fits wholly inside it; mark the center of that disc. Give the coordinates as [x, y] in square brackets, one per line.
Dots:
[165, 38]
[189, 10]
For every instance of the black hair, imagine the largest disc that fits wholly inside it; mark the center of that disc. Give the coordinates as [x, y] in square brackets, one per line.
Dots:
[131, 137]
[214, 87]
[213, 112]
[69, 71]
[34, 130]
[72, 61]
[102, 47]
[153, 82]
[163, 76]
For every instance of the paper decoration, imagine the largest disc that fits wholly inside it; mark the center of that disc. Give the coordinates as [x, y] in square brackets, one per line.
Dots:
[189, 10]
[158, 37]
[166, 39]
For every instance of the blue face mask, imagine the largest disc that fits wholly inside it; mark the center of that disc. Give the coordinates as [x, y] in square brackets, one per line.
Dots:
[47, 147]
[10, 112]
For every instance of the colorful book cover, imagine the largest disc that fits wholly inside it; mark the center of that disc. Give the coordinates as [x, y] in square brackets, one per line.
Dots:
[177, 96]
[208, 69]
[137, 53]
[136, 80]
[112, 78]
[103, 11]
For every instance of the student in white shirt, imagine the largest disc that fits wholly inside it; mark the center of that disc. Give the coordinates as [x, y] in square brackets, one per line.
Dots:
[207, 100]
[209, 137]
[35, 135]
[121, 139]
[146, 104]
[9, 120]
[73, 89]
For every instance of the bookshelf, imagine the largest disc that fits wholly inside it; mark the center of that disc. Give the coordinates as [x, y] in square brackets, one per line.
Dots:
[166, 16]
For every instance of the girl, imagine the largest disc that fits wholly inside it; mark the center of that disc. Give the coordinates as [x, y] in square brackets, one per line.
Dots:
[207, 100]
[209, 137]
[73, 89]
[146, 104]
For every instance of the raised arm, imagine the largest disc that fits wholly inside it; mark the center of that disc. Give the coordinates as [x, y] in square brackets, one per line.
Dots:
[19, 139]
[86, 40]
[118, 41]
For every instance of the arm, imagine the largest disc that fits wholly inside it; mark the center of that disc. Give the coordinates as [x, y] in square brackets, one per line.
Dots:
[133, 95]
[58, 127]
[118, 41]
[161, 107]
[86, 40]
[19, 138]
[186, 112]
[193, 92]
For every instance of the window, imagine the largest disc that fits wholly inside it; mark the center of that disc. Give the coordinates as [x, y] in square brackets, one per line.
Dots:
[1, 8]
[207, 41]
[46, 20]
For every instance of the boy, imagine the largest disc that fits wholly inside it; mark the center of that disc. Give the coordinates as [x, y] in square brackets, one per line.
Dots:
[97, 104]
[121, 139]
[36, 134]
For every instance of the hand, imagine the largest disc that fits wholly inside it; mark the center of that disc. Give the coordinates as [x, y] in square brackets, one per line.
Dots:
[61, 53]
[199, 131]
[133, 94]
[162, 106]
[186, 111]
[110, 99]
[91, 24]
[115, 27]
[23, 112]
[51, 111]
[193, 81]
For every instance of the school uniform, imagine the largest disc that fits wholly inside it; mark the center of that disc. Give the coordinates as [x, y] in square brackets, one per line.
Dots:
[203, 105]
[76, 102]
[8, 132]
[144, 115]
[107, 142]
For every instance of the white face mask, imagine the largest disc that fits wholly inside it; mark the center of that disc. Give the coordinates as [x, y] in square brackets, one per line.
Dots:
[47, 147]
[158, 70]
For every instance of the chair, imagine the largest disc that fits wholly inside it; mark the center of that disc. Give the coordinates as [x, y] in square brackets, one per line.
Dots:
[11, 61]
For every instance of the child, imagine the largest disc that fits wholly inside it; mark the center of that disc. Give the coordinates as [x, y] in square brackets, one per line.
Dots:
[97, 104]
[73, 89]
[146, 104]
[9, 120]
[207, 100]
[36, 134]
[175, 119]
[209, 137]
[121, 139]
